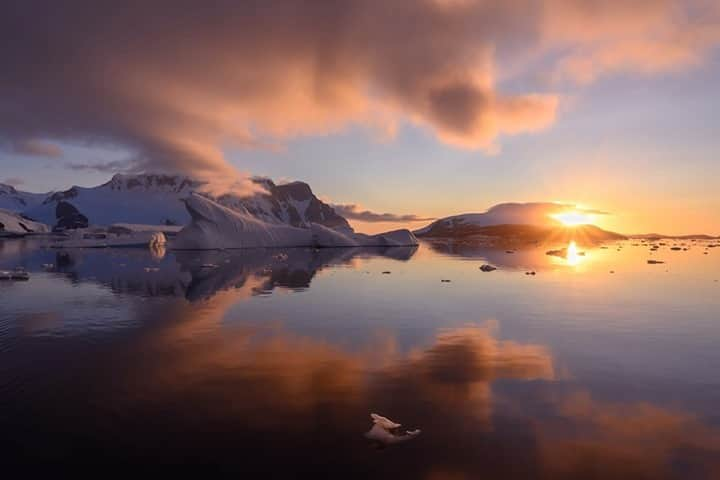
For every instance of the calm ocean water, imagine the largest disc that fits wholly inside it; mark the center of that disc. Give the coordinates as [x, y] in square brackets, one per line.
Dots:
[270, 362]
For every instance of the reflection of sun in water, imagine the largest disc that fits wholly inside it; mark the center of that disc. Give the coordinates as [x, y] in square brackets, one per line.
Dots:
[572, 256]
[572, 218]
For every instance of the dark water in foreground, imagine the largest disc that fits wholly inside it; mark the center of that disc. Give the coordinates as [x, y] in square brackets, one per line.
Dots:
[271, 363]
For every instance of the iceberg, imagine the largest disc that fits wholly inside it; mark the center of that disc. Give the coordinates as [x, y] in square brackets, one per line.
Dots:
[214, 226]
[13, 224]
[385, 432]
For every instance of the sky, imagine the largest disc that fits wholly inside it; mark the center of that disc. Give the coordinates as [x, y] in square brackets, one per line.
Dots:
[414, 109]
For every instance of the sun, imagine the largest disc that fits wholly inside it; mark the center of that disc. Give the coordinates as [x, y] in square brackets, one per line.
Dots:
[572, 218]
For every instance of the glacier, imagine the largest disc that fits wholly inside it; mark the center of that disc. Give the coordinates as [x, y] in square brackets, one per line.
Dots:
[214, 226]
[13, 224]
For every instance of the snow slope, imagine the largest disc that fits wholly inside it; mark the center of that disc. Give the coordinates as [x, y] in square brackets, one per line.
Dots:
[156, 199]
[537, 214]
[12, 224]
[18, 201]
[214, 226]
[291, 203]
[135, 199]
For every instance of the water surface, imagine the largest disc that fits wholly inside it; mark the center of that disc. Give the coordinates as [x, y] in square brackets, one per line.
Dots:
[269, 362]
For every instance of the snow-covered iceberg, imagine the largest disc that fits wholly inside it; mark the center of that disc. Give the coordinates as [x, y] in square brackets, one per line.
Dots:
[13, 224]
[214, 226]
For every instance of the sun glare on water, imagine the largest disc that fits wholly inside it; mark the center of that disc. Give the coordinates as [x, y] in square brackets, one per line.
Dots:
[572, 256]
[572, 218]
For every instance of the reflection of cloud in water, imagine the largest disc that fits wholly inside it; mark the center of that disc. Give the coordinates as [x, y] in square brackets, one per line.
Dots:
[625, 440]
[445, 388]
[459, 368]
[455, 372]
[195, 387]
[277, 381]
[39, 321]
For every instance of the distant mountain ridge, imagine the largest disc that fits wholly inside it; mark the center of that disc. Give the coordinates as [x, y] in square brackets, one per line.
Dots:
[156, 199]
[519, 221]
[523, 232]
[660, 236]
[16, 200]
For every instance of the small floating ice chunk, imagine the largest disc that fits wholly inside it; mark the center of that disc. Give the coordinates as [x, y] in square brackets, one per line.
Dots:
[384, 422]
[17, 274]
[562, 252]
[382, 431]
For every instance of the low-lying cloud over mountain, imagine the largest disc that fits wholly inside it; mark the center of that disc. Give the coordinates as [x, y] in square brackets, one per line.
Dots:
[13, 181]
[176, 82]
[355, 212]
[35, 148]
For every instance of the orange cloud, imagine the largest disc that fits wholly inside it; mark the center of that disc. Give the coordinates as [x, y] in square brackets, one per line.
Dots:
[177, 82]
[645, 36]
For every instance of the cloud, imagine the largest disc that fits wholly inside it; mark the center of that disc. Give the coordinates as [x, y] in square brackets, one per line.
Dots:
[591, 211]
[355, 212]
[34, 148]
[644, 36]
[113, 166]
[13, 181]
[177, 82]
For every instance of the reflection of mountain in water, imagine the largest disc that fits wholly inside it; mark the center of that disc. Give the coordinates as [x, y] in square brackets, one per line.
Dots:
[527, 257]
[193, 275]
[292, 268]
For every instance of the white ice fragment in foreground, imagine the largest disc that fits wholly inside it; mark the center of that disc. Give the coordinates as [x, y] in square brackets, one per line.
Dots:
[382, 431]
[384, 422]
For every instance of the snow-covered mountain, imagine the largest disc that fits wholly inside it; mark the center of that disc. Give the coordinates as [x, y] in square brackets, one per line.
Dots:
[521, 220]
[146, 199]
[537, 214]
[16, 200]
[215, 226]
[291, 203]
[156, 199]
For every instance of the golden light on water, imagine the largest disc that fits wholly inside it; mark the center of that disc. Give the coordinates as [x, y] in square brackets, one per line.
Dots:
[572, 257]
